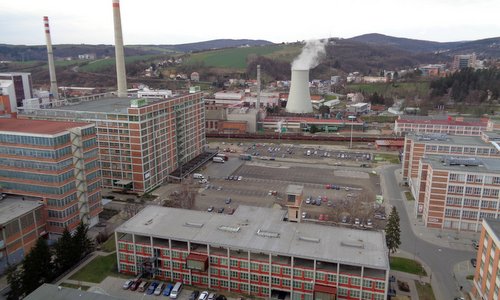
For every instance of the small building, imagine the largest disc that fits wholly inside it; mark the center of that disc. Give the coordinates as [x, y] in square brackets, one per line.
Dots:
[391, 145]
[359, 108]
[22, 222]
[487, 273]
[294, 194]
[195, 77]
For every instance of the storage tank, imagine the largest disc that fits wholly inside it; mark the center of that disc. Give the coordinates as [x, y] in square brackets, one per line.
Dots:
[299, 98]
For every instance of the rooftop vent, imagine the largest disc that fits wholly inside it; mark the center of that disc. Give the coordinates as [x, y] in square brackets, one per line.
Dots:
[268, 234]
[309, 239]
[193, 224]
[148, 222]
[229, 228]
[354, 244]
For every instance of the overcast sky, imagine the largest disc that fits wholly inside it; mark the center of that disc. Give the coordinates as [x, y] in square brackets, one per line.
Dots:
[176, 22]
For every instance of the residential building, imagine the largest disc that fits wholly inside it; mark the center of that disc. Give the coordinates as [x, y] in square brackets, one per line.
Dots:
[23, 87]
[141, 141]
[439, 124]
[464, 61]
[458, 192]
[487, 275]
[195, 76]
[254, 252]
[55, 162]
[416, 146]
[433, 70]
[22, 222]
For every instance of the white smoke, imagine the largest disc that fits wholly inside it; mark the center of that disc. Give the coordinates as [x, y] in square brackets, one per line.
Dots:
[311, 55]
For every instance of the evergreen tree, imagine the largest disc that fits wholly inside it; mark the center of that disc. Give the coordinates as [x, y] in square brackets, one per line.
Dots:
[14, 281]
[393, 231]
[67, 254]
[37, 267]
[81, 242]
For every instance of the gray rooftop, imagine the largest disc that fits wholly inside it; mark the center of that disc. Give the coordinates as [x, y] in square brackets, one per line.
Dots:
[494, 225]
[294, 189]
[438, 117]
[454, 140]
[53, 292]
[106, 105]
[250, 228]
[13, 207]
[486, 165]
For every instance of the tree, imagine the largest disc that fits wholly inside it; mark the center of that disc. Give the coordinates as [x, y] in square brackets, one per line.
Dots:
[37, 267]
[393, 231]
[14, 281]
[81, 242]
[67, 254]
[324, 110]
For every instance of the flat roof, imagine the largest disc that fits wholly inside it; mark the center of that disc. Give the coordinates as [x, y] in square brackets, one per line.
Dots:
[443, 120]
[294, 189]
[494, 224]
[13, 125]
[455, 140]
[105, 105]
[13, 207]
[255, 229]
[487, 165]
[54, 292]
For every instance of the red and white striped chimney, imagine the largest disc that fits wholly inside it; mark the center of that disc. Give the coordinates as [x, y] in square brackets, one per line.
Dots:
[50, 55]
[121, 78]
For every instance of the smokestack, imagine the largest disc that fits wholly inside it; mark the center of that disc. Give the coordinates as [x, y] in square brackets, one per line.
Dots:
[119, 54]
[257, 105]
[299, 99]
[50, 55]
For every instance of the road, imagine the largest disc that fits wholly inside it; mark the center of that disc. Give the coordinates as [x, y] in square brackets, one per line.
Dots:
[440, 259]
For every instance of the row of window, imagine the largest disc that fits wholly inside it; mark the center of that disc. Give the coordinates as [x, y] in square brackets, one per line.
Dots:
[471, 202]
[466, 150]
[470, 190]
[474, 178]
[53, 154]
[39, 189]
[62, 202]
[34, 140]
[46, 166]
[66, 224]
[467, 214]
[37, 177]
[61, 214]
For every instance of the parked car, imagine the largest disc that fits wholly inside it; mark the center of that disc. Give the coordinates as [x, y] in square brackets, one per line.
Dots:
[210, 209]
[127, 284]
[345, 219]
[159, 288]
[194, 295]
[220, 210]
[321, 217]
[308, 200]
[221, 297]
[304, 215]
[473, 262]
[143, 286]
[151, 289]
[475, 244]
[212, 296]
[228, 200]
[203, 295]
[240, 178]
[136, 284]
[168, 289]
[356, 221]
[318, 202]
[369, 223]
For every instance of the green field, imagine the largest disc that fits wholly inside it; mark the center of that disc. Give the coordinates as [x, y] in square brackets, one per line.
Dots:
[102, 64]
[98, 269]
[400, 89]
[407, 265]
[236, 58]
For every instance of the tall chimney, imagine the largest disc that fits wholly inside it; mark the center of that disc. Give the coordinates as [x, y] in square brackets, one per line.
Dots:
[120, 57]
[257, 105]
[299, 98]
[50, 55]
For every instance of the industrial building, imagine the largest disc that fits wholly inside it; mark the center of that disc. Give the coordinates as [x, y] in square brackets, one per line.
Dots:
[22, 88]
[457, 192]
[56, 163]
[254, 252]
[487, 275]
[141, 141]
[22, 222]
[439, 124]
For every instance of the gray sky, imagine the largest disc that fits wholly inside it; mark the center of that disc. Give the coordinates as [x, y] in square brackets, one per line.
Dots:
[176, 22]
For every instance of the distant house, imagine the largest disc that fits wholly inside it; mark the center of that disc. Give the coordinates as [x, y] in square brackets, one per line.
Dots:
[195, 76]
[86, 56]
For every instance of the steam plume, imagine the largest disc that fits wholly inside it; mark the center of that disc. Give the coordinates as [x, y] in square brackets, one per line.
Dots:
[311, 55]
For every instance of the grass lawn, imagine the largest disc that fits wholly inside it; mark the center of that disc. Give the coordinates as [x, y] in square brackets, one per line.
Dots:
[98, 269]
[109, 245]
[400, 89]
[392, 158]
[75, 286]
[103, 64]
[409, 196]
[407, 265]
[424, 291]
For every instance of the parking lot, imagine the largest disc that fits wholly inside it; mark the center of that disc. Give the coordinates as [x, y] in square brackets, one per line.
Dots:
[113, 286]
[263, 183]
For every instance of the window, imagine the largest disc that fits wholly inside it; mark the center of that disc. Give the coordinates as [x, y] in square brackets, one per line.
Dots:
[275, 269]
[332, 277]
[343, 279]
[367, 283]
[254, 266]
[320, 276]
[264, 279]
[243, 264]
[234, 274]
[234, 263]
[355, 281]
[244, 276]
[297, 273]
[254, 277]
[234, 285]
[380, 285]
[286, 271]
[354, 293]
[275, 280]
[286, 282]
[265, 268]
[308, 274]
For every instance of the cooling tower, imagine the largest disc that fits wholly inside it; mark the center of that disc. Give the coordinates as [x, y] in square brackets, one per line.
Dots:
[299, 99]
[52, 68]
[119, 54]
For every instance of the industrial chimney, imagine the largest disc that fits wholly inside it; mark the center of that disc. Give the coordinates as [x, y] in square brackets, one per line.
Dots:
[50, 54]
[299, 98]
[119, 53]
[257, 105]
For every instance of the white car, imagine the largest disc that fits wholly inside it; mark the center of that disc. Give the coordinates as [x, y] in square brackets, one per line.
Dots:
[304, 215]
[159, 289]
[212, 296]
[240, 178]
[203, 295]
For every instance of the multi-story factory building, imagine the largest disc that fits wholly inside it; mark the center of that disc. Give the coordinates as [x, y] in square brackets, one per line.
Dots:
[141, 141]
[458, 191]
[487, 275]
[439, 124]
[254, 252]
[55, 162]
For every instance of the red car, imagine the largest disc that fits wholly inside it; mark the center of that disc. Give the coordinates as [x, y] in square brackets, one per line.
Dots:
[135, 285]
[321, 217]
[328, 186]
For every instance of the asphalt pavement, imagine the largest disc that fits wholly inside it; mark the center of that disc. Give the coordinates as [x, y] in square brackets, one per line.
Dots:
[440, 254]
